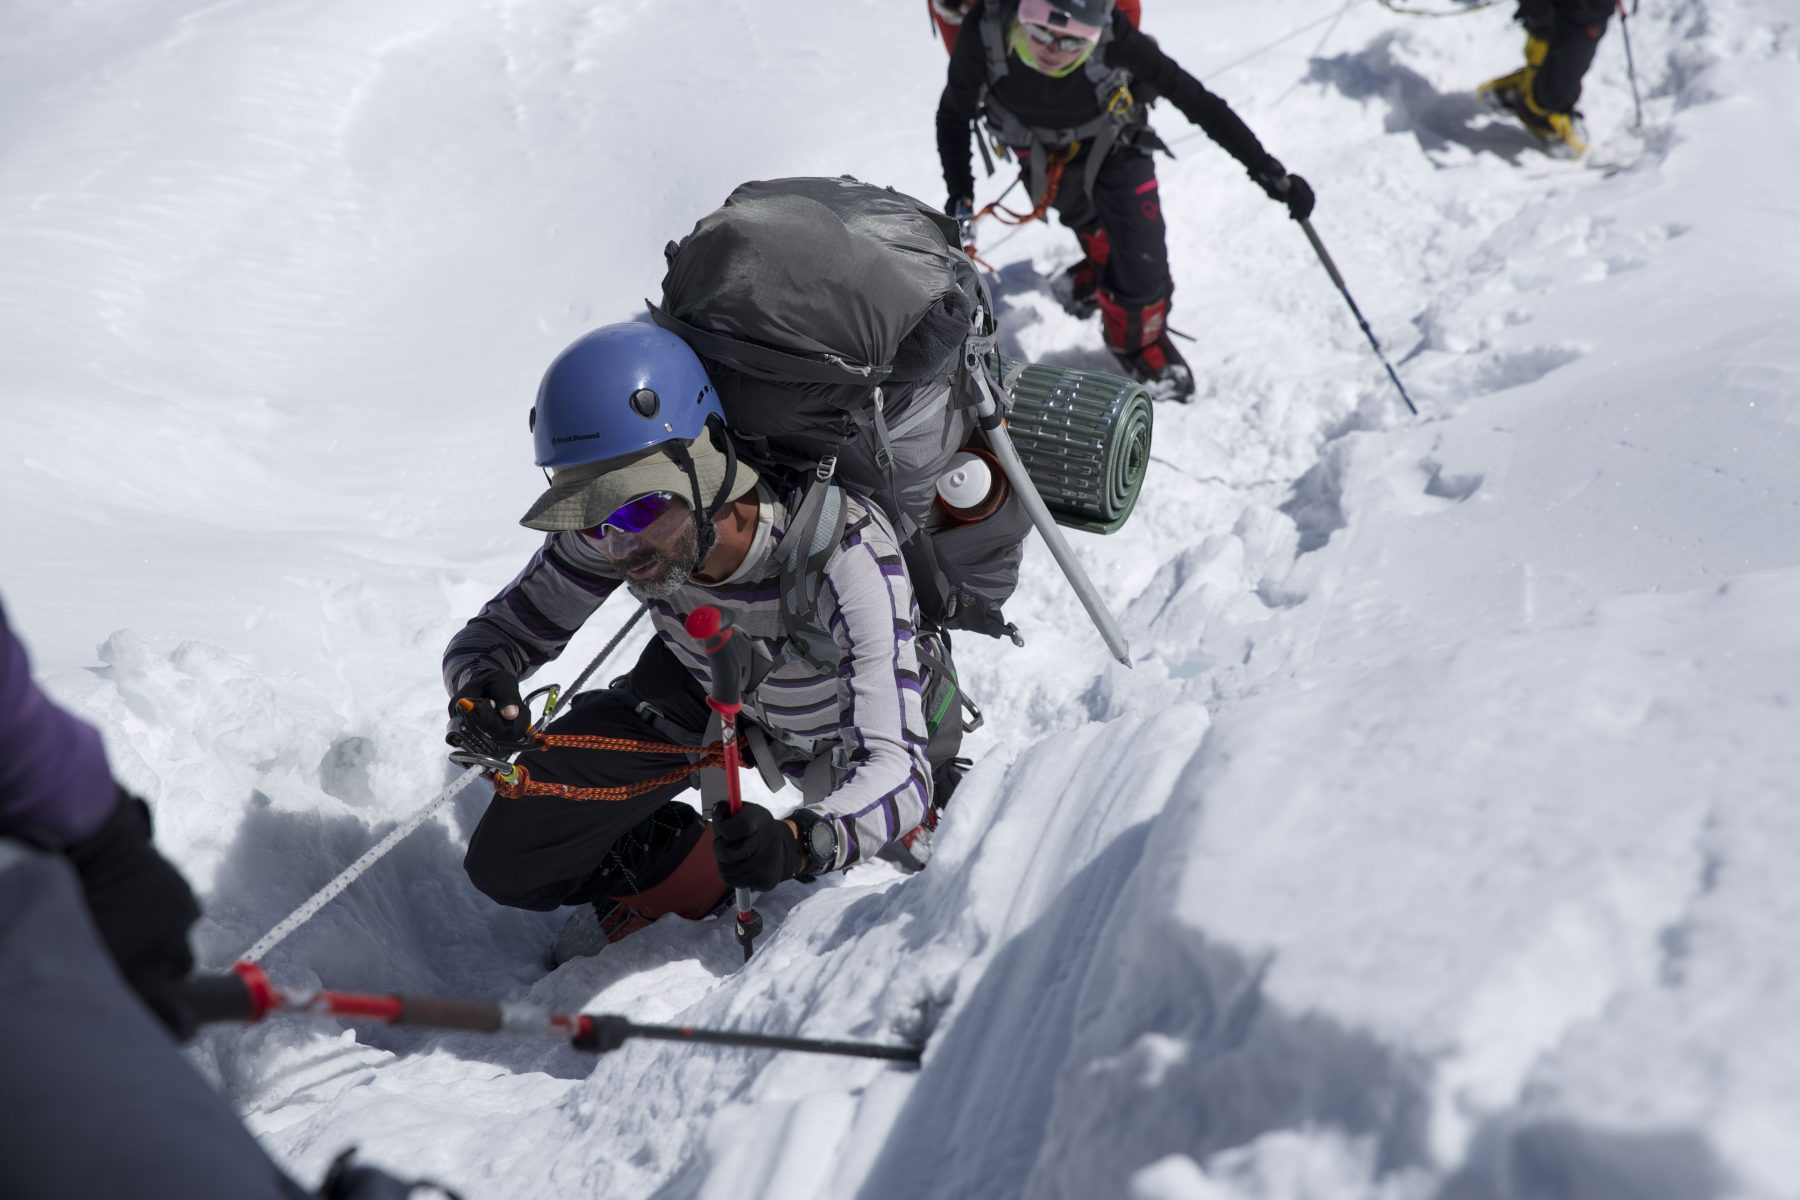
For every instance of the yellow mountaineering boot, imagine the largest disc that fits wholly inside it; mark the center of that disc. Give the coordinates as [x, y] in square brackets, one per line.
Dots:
[1564, 133]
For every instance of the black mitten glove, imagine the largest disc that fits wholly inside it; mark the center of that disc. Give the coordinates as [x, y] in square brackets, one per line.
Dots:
[1290, 190]
[754, 849]
[142, 907]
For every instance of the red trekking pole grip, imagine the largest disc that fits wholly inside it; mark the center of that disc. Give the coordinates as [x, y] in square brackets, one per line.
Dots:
[712, 628]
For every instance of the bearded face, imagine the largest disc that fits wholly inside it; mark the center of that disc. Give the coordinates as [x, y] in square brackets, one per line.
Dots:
[658, 560]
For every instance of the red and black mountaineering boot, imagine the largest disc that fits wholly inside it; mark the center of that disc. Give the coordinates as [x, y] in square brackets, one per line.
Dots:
[1075, 288]
[1138, 336]
[692, 889]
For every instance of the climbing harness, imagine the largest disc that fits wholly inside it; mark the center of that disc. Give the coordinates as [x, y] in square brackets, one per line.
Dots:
[515, 780]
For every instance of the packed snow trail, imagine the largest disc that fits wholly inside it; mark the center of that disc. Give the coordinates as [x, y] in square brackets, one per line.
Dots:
[1433, 848]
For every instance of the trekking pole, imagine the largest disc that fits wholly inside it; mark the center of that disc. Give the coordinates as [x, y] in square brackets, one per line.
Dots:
[1331, 269]
[245, 994]
[1630, 63]
[711, 627]
[993, 425]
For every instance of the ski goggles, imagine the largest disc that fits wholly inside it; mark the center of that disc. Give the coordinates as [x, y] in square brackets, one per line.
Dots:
[1049, 39]
[635, 516]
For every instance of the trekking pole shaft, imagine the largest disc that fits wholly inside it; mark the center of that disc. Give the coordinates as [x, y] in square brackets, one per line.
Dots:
[989, 410]
[748, 921]
[766, 1041]
[245, 995]
[1338, 279]
[711, 627]
[1630, 65]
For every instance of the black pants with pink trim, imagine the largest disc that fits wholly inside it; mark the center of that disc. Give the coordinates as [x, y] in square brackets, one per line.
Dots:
[542, 852]
[1572, 30]
[1126, 206]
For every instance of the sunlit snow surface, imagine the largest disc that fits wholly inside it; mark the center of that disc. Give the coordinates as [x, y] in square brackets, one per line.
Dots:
[1441, 842]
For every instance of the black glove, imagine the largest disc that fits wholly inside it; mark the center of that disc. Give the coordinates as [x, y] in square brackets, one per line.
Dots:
[754, 849]
[476, 720]
[142, 908]
[1290, 190]
[348, 1180]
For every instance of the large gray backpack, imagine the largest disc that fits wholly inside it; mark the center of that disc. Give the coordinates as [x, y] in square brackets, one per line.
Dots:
[831, 315]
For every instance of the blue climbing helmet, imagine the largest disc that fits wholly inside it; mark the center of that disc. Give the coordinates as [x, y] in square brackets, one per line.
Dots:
[620, 390]
[617, 393]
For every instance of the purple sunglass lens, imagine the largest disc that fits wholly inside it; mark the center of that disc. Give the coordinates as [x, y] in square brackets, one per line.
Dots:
[635, 516]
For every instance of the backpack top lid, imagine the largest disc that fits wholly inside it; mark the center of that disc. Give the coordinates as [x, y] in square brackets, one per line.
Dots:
[822, 281]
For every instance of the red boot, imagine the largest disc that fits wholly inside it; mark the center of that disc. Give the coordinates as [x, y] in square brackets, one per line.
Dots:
[692, 890]
[1138, 336]
[1075, 289]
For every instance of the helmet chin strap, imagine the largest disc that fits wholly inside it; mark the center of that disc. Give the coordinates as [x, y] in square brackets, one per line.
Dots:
[706, 529]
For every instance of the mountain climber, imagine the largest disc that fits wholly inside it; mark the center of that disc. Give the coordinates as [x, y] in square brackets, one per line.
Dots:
[1058, 83]
[97, 1097]
[648, 491]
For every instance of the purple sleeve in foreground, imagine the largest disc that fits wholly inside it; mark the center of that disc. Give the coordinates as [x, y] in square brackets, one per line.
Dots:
[54, 778]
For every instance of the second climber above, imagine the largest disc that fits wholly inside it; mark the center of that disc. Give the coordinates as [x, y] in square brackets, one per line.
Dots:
[1062, 84]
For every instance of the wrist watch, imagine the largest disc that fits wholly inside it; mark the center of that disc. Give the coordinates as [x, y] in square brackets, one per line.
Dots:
[818, 841]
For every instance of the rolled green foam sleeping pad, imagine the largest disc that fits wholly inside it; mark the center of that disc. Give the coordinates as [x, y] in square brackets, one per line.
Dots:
[1084, 437]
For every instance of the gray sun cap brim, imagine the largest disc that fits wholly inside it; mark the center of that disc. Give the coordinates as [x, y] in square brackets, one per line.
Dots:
[581, 497]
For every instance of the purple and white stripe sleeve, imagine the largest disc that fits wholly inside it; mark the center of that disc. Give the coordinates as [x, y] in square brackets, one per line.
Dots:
[883, 721]
[534, 617]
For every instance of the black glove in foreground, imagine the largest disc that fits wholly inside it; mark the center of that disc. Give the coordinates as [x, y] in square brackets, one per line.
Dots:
[142, 908]
[754, 849]
[479, 726]
[1290, 190]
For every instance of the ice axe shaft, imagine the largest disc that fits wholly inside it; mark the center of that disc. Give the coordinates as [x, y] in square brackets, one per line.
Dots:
[994, 427]
[711, 627]
[1338, 279]
[245, 994]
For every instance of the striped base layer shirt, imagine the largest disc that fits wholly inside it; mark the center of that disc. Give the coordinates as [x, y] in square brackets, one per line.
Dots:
[866, 710]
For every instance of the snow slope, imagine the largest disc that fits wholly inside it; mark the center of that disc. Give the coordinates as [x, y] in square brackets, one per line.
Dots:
[1435, 847]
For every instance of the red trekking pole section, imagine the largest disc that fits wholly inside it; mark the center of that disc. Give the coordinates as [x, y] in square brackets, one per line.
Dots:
[711, 627]
[246, 995]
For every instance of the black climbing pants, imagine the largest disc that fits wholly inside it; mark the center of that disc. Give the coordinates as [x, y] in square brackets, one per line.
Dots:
[1127, 204]
[542, 852]
[1572, 30]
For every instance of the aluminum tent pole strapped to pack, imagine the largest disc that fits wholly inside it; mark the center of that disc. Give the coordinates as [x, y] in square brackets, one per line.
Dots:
[988, 408]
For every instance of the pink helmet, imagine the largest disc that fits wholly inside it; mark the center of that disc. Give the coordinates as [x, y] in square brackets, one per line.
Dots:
[1058, 18]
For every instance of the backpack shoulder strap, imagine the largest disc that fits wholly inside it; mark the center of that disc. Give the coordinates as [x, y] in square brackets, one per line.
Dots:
[812, 537]
[993, 39]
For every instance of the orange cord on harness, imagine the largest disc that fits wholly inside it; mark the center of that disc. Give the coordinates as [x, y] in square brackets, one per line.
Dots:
[1052, 179]
[517, 781]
